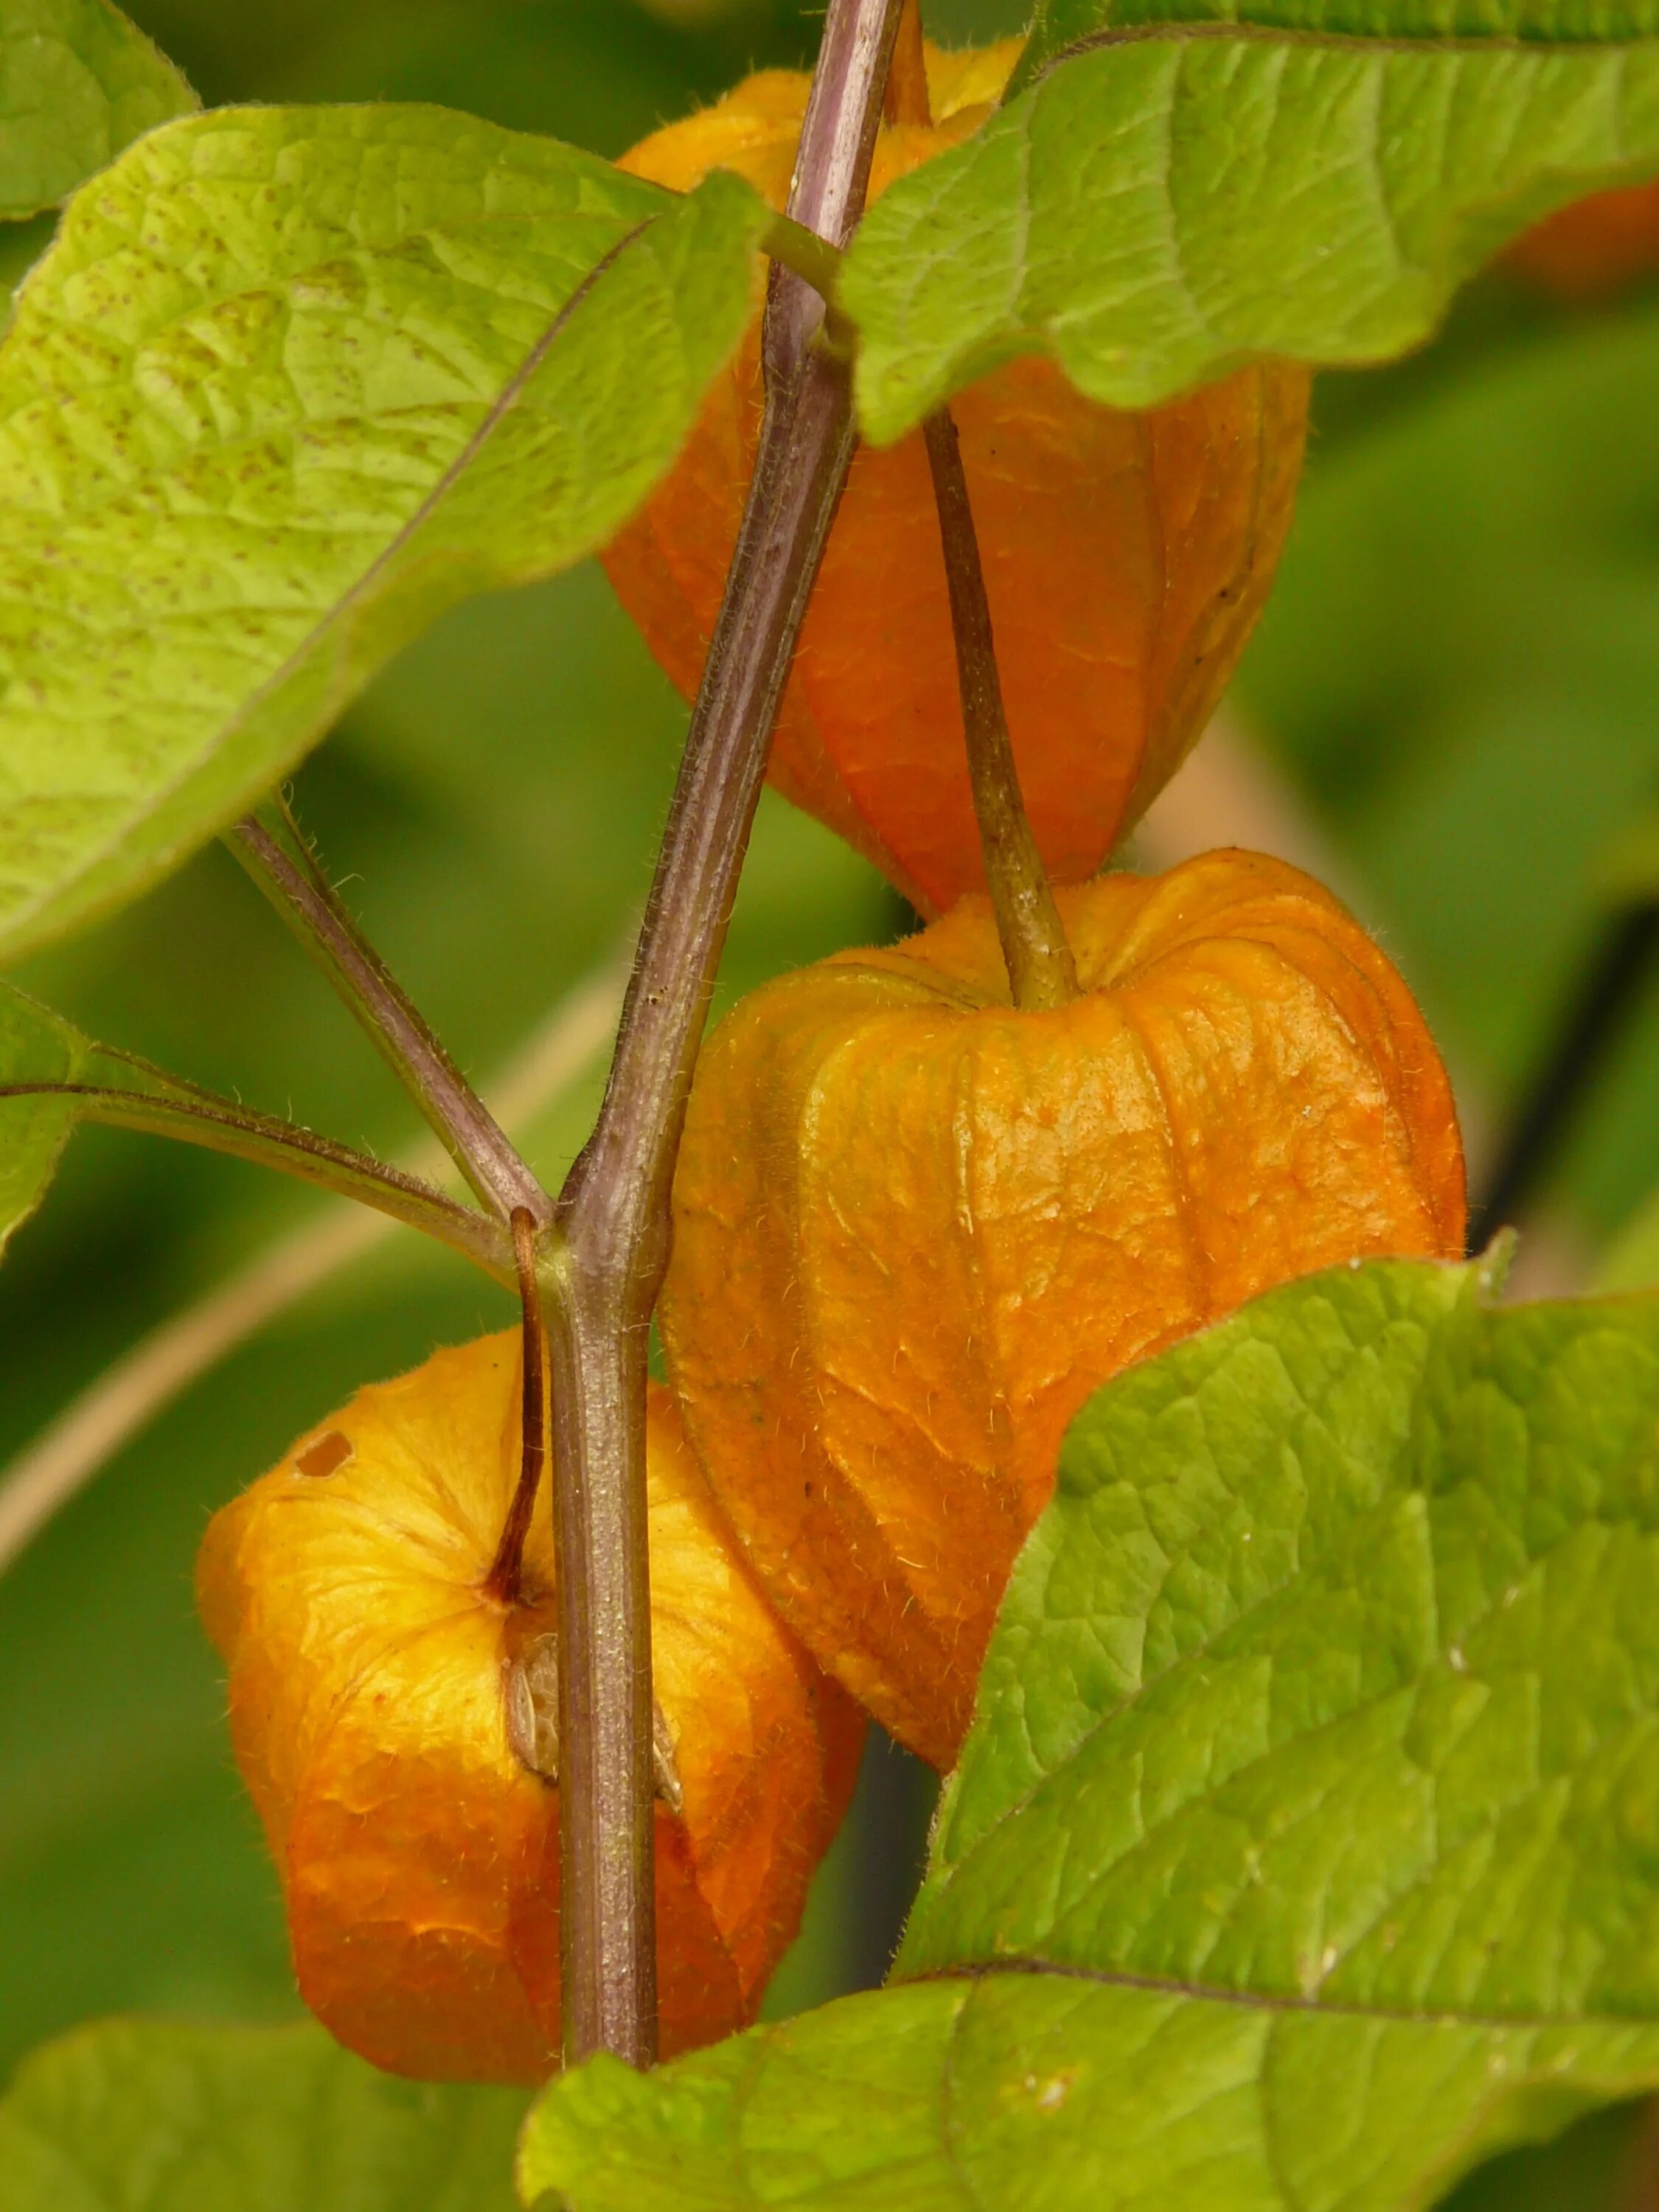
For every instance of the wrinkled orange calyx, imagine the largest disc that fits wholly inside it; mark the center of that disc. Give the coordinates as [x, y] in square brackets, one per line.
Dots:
[1126, 558]
[390, 1721]
[914, 1228]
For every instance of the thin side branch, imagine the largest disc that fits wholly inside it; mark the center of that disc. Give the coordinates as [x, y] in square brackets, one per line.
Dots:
[219, 1126]
[121, 1402]
[282, 866]
[1041, 972]
[613, 1211]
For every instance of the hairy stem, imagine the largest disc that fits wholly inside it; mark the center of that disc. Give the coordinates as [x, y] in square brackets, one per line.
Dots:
[164, 1363]
[613, 1211]
[279, 860]
[194, 1118]
[1040, 971]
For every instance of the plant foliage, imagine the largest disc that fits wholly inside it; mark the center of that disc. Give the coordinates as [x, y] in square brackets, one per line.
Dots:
[77, 84]
[291, 382]
[1172, 202]
[1300, 1855]
[180, 2119]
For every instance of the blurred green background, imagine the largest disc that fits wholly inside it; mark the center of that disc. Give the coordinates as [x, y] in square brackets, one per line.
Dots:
[1457, 682]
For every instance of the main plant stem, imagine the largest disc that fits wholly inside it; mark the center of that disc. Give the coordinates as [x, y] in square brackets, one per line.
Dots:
[1040, 971]
[613, 1212]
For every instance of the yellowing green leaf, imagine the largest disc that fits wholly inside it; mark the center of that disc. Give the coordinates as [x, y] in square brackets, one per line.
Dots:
[1166, 206]
[291, 382]
[77, 84]
[132, 2115]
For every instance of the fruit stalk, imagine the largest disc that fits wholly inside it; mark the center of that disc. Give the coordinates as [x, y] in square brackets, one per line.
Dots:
[505, 1579]
[613, 1212]
[1041, 973]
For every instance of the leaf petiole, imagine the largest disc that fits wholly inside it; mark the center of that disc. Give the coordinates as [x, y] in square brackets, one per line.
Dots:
[271, 847]
[197, 1118]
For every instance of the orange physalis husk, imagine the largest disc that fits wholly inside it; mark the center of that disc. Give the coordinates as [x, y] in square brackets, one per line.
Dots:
[1592, 247]
[1126, 558]
[914, 1228]
[377, 1695]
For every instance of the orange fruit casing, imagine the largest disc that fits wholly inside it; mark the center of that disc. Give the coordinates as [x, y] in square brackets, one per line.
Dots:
[370, 1685]
[914, 1228]
[1594, 247]
[1126, 558]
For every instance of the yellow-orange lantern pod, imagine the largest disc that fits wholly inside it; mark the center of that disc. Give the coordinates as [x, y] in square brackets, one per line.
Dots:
[1127, 556]
[397, 1727]
[914, 1228]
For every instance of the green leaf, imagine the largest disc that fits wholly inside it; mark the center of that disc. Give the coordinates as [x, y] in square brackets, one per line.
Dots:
[36, 1046]
[133, 2116]
[1160, 209]
[77, 84]
[290, 383]
[1332, 1674]
[1063, 24]
[1060, 2093]
[1302, 1852]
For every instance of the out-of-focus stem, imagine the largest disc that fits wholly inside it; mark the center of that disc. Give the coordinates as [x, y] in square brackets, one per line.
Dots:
[612, 1217]
[1040, 971]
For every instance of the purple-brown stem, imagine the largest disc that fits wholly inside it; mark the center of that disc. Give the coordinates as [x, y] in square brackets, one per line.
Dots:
[612, 1220]
[286, 872]
[506, 1574]
[1041, 972]
[193, 1116]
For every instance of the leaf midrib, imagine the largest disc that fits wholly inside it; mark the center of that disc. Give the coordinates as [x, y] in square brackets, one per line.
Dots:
[1129, 34]
[1274, 2002]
